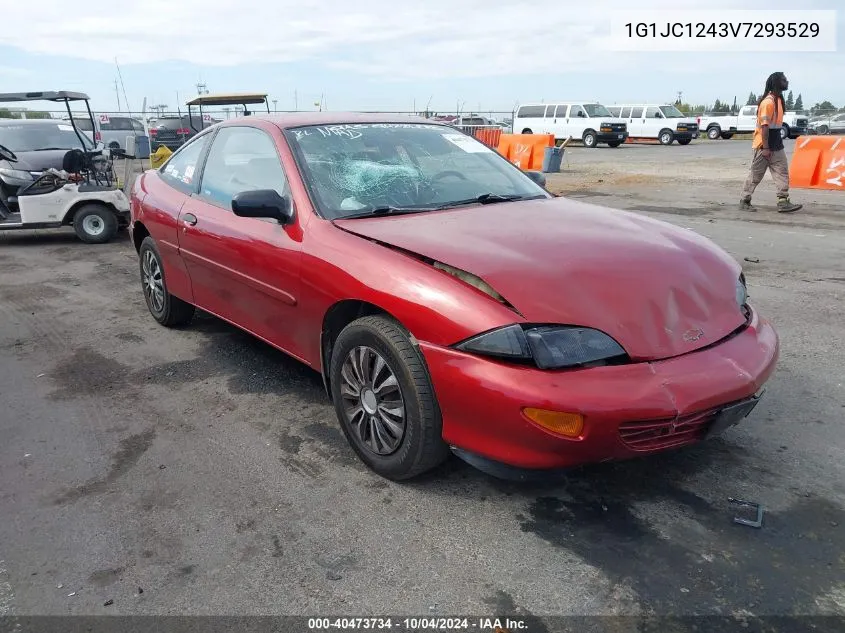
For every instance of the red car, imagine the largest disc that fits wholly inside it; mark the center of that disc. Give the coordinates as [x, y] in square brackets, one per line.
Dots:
[448, 300]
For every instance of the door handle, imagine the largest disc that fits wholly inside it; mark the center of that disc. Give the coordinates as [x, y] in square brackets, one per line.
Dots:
[189, 218]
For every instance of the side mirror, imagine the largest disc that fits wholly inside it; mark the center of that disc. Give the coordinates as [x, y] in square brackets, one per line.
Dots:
[263, 203]
[537, 176]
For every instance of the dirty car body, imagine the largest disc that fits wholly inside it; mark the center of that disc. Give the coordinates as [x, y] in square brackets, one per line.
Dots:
[448, 300]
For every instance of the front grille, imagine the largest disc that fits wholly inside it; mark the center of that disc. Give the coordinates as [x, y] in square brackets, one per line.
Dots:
[687, 127]
[655, 435]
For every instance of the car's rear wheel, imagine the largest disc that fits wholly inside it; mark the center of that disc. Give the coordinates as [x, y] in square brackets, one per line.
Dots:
[384, 399]
[527, 131]
[95, 224]
[168, 310]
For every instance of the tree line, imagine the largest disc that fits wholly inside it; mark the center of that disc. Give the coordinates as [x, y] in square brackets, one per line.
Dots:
[5, 113]
[792, 104]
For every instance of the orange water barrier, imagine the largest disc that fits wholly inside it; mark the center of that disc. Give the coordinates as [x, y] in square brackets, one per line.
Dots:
[818, 162]
[489, 136]
[526, 151]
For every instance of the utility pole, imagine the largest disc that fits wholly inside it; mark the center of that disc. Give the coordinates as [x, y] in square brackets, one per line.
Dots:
[680, 97]
[117, 94]
[275, 106]
[295, 102]
[202, 89]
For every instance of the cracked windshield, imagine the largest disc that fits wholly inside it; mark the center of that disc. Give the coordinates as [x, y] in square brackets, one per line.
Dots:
[366, 167]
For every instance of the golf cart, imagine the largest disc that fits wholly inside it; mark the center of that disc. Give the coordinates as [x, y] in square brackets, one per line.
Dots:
[48, 182]
[230, 99]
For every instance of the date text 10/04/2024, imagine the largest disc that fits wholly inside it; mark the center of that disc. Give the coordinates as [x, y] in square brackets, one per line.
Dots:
[724, 29]
[487, 625]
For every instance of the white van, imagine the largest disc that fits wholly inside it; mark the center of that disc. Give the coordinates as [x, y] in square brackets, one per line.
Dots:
[663, 122]
[588, 121]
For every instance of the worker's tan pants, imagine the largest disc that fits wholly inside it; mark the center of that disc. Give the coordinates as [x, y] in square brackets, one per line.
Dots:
[779, 167]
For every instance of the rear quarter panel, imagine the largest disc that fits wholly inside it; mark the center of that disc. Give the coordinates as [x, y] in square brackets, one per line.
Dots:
[156, 205]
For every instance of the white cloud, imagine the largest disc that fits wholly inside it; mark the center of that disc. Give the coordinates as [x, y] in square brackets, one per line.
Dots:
[398, 39]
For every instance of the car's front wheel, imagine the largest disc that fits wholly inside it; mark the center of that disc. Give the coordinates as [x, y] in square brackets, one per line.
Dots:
[384, 399]
[168, 310]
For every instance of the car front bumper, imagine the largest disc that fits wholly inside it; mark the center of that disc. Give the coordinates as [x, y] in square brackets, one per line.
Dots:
[628, 410]
[612, 137]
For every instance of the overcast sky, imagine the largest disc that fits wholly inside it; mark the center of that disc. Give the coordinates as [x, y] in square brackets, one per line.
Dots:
[384, 54]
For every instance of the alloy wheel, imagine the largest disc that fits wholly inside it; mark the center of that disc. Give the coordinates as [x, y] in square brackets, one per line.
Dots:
[153, 282]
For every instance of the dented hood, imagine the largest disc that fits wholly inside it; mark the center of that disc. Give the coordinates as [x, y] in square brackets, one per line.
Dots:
[659, 290]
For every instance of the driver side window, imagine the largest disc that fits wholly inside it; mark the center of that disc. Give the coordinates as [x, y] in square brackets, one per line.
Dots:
[241, 159]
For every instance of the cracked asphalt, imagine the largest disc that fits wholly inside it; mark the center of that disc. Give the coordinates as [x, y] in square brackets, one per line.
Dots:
[208, 470]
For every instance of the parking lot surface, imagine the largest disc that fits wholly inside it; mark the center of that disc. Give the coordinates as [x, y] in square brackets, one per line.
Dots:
[208, 470]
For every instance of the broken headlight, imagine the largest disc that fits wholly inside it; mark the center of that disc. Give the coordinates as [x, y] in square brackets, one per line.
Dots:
[741, 291]
[548, 346]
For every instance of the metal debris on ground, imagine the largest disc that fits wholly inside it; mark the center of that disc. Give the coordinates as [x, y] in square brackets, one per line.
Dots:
[108, 603]
[753, 260]
[748, 504]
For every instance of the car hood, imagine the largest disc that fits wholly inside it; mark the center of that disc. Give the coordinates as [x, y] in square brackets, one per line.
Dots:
[39, 161]
[659, 290]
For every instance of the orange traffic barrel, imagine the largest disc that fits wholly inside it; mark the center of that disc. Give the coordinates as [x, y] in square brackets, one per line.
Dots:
[818, 162]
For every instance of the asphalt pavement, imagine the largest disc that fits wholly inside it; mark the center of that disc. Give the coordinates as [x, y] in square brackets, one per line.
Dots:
[198, 471]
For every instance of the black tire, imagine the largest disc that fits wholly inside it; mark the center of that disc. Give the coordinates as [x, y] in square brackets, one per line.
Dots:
[714, 132]
[95, 223]
[421, 447]
[173, 311]
[823, 129]
[527, 131]
[684, 141]
[590, 139]
[614, 143]
[785, 131]
[666, 137]
[727, 135]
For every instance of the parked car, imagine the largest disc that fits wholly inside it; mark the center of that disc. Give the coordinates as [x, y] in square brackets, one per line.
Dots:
[112, 130]
[446, 298]
[663, 122]
[174, 131]
[38, 144]
[592, 123]
[829, 124]
[725, 125]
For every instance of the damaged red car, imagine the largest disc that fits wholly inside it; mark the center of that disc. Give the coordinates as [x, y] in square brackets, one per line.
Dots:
[449, 301]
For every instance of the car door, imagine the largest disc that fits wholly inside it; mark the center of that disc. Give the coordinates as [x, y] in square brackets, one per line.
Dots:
[576, 121]
[747, 118]
[652, 122]
[636, 121]
[245, 270]
[558, 125]
[837, 124]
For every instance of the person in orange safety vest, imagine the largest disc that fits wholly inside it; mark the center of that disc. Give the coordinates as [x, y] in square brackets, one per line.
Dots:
[768, 147]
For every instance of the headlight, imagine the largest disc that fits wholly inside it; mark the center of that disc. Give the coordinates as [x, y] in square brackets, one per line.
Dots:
[15, 173]
[741, 291]
[548, 346]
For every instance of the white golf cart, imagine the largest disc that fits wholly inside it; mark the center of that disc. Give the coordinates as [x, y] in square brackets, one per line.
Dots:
[83, 193]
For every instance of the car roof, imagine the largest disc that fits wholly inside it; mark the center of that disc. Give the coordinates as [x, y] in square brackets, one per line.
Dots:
[299, 119]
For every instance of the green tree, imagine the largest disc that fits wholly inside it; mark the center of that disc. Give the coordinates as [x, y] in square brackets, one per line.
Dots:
[752, 99]
[799, 103]
[38, 115]
[790, 102]
[824, 106]
[5, 113]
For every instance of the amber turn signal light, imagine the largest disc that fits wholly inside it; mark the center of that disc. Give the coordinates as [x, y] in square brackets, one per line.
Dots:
[558, 422]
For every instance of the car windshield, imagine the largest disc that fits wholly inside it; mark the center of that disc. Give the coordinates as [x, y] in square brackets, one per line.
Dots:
[596, 109]
[671, 112]
[23, 137]
[359, 168]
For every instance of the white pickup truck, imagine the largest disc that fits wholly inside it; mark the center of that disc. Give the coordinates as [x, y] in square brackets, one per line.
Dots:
[726, 125]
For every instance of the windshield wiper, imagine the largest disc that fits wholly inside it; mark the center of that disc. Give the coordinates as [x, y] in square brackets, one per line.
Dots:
[489, 198]
[47, 149]
[384, 210]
